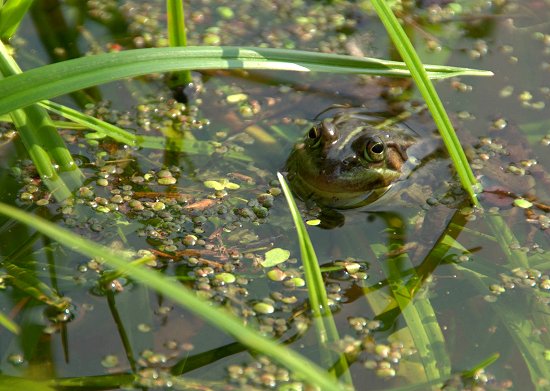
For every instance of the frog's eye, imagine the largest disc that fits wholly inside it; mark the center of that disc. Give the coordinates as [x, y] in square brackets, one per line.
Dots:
[375, 150]
[314, 136]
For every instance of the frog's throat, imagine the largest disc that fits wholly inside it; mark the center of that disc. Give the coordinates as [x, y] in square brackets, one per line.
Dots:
[340, 186]
[344, 199]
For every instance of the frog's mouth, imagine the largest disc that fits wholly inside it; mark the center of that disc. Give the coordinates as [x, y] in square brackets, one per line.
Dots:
[354, 181]
[342, 193]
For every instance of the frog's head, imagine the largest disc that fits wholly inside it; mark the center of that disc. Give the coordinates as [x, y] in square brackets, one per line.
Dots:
[348, 160]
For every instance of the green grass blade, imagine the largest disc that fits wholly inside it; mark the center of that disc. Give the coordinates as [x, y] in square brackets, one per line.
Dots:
[114, 381]
[420, 318]
[9, 324]
[90, 122]
[177, 35]
[472, 372]
[27, 281]
[193, 147]
[317, 293]
[60, 78]
[417, 311]
[523, 326]
[182, 296]
[11, 14]
[326, 327]
[426, 88]
[10, 383]
[42, 141]
[522, 323]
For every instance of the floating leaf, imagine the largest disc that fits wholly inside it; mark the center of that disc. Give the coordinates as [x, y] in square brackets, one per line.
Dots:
[230, 185]
[313, 222]
[236, 98]
[522, 203]
[221, 184]
[275, 256]
[214, 185]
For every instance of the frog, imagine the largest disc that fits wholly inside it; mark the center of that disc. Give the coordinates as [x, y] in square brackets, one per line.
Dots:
[355, 167]
[352, 158]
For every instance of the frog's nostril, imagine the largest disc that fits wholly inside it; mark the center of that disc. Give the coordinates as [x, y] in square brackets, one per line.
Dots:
[350, 160]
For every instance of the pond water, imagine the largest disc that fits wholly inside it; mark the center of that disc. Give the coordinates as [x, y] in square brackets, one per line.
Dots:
[476, 315]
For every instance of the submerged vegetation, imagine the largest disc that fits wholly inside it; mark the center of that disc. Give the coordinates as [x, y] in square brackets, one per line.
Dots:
[150, 217]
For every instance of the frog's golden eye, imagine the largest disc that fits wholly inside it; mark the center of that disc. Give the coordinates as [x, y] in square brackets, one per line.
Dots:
[314, 136]
[375, 150]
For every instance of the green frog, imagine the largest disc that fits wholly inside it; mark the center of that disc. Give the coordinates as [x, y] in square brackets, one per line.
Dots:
[352, 158]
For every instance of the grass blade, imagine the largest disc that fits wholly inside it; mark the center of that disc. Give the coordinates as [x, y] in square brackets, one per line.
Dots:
[9, 324]
[57, 79]
[182, 296]
[426, 88]
[193, 147]
[90, 122]
[417, 311]
[427, 335]
[481, 365]
[42, 141]
[177, 35]
[11, 14]
[27, 281]
[317, 294]
[326, 328]
[9, 383]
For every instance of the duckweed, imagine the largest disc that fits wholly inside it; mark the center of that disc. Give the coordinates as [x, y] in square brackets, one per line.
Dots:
[264, 308]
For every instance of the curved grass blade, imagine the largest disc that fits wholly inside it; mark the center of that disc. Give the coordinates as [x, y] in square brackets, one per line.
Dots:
[426, 88]
[182, 296]
[324, 322]
[60, 78]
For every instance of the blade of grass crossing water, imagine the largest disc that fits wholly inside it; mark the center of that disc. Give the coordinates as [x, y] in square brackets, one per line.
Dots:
[522, 327]
[9, 324]
[98, 125]
[181, 295]
[326, 328]
[177, 35]
[195, 147]
[426, 88]
[416, 309]
[41, 139]
[482, 365]
[60, 78]
[38, 120]
[420, 318]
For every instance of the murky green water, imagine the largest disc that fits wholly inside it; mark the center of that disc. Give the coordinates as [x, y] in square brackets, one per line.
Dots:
[211, 214]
